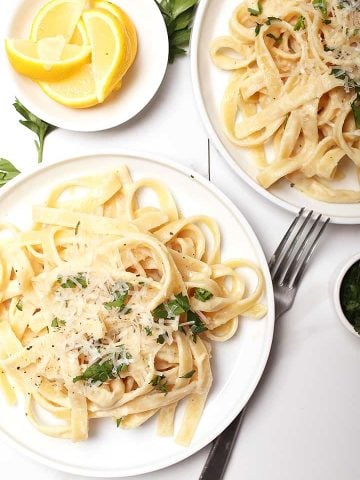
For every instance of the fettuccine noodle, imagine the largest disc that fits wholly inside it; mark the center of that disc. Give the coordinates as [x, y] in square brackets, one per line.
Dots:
[109, 308]
[296, 83]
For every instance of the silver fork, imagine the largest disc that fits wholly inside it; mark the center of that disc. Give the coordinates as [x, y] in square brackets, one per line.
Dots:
[287, 266]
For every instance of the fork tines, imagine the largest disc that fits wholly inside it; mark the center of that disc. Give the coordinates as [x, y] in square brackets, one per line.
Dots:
[289, 261]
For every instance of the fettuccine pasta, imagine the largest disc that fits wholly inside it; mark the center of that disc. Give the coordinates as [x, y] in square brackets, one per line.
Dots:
[109, 308]
[296, 84]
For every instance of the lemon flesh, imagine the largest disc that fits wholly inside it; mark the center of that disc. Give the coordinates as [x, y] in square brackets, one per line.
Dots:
[57, 17]
[79, 36]
[109, 49]
[46, 61]
[76, 91]
[127, 24]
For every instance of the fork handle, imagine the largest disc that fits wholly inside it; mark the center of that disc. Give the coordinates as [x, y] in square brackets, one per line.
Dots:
[221, 449]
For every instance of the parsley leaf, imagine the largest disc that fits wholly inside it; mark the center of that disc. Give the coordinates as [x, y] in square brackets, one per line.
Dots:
[197, 325]
[77, 227]
[148, 331]
[73, 281]
[277, 40]
[253, 12]
[56, 323]
[119, 299]
[7, 171]
[39, 127]
[300, 23]
[188, 374]
[178, 16]
[161, 339]
[272, 19]
[160, 383]
[172, 308]
[97, 372]
[257, 28]
[118, 421]
[355, 107]
[19, 305]
[322, 6]
[202, 294]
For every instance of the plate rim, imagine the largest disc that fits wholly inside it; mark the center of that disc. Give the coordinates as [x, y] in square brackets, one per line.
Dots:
[12, 75]
[249, 232]
[214, 137]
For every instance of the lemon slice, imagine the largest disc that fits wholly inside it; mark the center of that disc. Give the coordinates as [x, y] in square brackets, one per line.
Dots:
[76, 91]
[108, 45]
[48, 60]
[79, 36]
[57, 17]
[127, 25]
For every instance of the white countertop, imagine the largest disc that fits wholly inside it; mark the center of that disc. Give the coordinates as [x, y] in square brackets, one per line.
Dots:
[303, 420]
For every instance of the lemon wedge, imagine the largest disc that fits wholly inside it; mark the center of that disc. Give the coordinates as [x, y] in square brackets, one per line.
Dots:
[79, 36]
[57, 17]
[127, 25]
[76, 91]
[48, 60]
[109, 49]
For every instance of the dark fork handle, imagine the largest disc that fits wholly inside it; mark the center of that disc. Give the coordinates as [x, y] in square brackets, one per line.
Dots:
[221, 449]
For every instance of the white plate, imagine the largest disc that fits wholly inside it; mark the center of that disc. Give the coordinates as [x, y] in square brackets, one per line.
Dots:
[237, 364]
[209, 83]
[139, 85]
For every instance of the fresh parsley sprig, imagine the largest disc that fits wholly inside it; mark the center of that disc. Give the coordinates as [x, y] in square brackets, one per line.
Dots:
[38, 126]
[160, 383]
[202, 294]
[7, 171]
[178, 16]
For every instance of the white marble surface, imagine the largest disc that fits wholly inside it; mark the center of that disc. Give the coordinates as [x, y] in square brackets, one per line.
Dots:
[303, 420]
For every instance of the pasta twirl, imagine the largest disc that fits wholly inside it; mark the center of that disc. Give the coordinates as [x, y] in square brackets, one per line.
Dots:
[108, 308]
[296, 82]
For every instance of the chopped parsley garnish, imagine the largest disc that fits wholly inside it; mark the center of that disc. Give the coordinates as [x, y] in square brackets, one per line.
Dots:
[101, 371]
[161, 339]
[257, 28]
[160, 383]
[272, 19]
[73, 281]
[188, 374]
[148, 331]
[253, 12]
[322, 6]
[56, 323]
[118, 421]
[355, 107]
[300, 23]
[141, 283]
[202, 294]
[77, 227]
[350, 296]
[119, 300]
[19, 305]
[172, 308]
[328, 49]
[196, 324]
[277, 40]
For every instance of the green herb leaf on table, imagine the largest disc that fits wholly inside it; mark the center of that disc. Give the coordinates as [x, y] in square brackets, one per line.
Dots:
[38, 126]
[178, 16]
[7, 171]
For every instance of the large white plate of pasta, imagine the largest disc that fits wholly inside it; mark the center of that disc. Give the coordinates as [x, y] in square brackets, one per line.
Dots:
[278, 88]
[136, 314]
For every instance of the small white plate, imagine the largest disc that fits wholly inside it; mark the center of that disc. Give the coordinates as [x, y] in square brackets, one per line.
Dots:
[209, 83]
[139, 84]
[237, 364]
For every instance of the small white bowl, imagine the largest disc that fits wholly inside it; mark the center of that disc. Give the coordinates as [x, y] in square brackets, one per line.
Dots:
[337, 287]
[139, 85]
